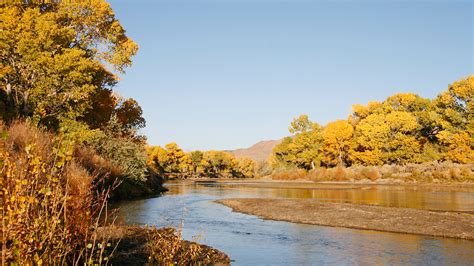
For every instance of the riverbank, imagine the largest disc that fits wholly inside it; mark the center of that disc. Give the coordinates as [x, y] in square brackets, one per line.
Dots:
[267, 182]
[132, 245]
[433, 172]
[397, 220]
[132, 189]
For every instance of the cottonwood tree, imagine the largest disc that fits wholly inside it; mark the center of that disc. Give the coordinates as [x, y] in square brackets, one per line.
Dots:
[302, 149]
[54, 56]
[456, 107]
[337, 143]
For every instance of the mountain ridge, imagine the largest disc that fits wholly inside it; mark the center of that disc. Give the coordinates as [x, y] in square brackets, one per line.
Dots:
[259, 151]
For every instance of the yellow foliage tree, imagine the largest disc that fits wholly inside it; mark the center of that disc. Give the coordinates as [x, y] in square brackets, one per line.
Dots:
[157, 158]
[218, 164]
[337, 141]
[246, 167]
[456, 107]
[54, 57]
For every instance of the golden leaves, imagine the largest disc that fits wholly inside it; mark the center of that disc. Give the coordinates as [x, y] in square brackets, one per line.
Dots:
[405, 128]
[54, 58]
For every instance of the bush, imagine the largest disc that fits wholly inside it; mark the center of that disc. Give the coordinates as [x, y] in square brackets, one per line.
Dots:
[262, 168]
[371, 173]
[125, 152]
[426, 172]
[49, 210]
[291, 174]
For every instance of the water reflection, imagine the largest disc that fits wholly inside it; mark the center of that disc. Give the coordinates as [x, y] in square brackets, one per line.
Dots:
[428, 198]
[251, 240]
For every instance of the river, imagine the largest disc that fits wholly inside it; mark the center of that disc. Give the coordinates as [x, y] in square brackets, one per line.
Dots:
[251, 240]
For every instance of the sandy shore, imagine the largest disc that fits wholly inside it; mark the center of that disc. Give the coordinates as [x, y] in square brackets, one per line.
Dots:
[398, 220]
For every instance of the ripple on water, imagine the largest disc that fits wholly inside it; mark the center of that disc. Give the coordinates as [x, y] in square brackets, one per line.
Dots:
[251, 240]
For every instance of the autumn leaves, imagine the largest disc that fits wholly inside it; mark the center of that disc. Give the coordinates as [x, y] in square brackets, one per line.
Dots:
[172, 162]
[405, 128]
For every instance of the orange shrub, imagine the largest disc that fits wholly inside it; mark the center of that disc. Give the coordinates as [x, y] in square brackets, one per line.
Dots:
[47, 204]
[293, 174]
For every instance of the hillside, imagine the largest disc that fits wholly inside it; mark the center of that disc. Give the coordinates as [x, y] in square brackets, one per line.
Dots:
[258, 152]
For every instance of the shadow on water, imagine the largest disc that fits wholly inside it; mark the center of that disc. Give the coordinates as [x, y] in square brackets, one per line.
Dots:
[251, 240]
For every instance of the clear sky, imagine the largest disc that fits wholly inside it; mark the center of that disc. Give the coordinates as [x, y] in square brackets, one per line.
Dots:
[227, 74]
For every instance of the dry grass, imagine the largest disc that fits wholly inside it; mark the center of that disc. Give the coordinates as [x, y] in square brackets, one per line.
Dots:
[428, 172]
[53, 199]
[166, 247]
[48, 206]
[292, 174]
[163, 246]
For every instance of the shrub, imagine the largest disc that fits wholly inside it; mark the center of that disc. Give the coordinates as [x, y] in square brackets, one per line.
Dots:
[292, 174]
[125, 152]
[262, 168]
[425, 172]
[370, 173]
[166, 247]
[48, 206]
[339, 174]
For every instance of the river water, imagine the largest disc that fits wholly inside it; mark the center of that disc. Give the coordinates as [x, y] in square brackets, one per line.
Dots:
[251, 240]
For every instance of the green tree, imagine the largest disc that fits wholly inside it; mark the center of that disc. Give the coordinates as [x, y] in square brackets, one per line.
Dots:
[302, 149]
[125, 152]
[301, 124]
[196, 161]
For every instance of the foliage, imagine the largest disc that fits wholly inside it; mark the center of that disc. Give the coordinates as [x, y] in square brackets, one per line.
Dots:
[405, 128]
[123, 151]
[456, 107]
[393, 131]
[53, 57]
[57, 67]
[173, 162]
[195, 161]
[166, 247]
[107, 104]
[302, 149]
[49, 209]
[262, 168]
[337, 142]
[425, 172]
[289, 174]
[218, 163]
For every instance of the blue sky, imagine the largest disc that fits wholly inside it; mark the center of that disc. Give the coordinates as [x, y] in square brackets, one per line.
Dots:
[226, 74]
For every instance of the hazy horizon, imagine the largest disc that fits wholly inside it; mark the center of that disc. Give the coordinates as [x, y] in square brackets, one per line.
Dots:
[227, 75]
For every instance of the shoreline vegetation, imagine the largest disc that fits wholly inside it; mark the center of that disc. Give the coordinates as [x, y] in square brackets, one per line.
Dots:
[267, 182]
[368, 217]
[133, 245]
[70, 144]
[433, 172]
[405, 137]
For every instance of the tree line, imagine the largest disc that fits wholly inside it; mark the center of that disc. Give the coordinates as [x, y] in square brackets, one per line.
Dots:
[67, 139]
[404, 128]
[60, 62]
[172, 162]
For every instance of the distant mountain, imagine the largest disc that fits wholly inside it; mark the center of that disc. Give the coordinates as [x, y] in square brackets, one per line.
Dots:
[258, 152]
